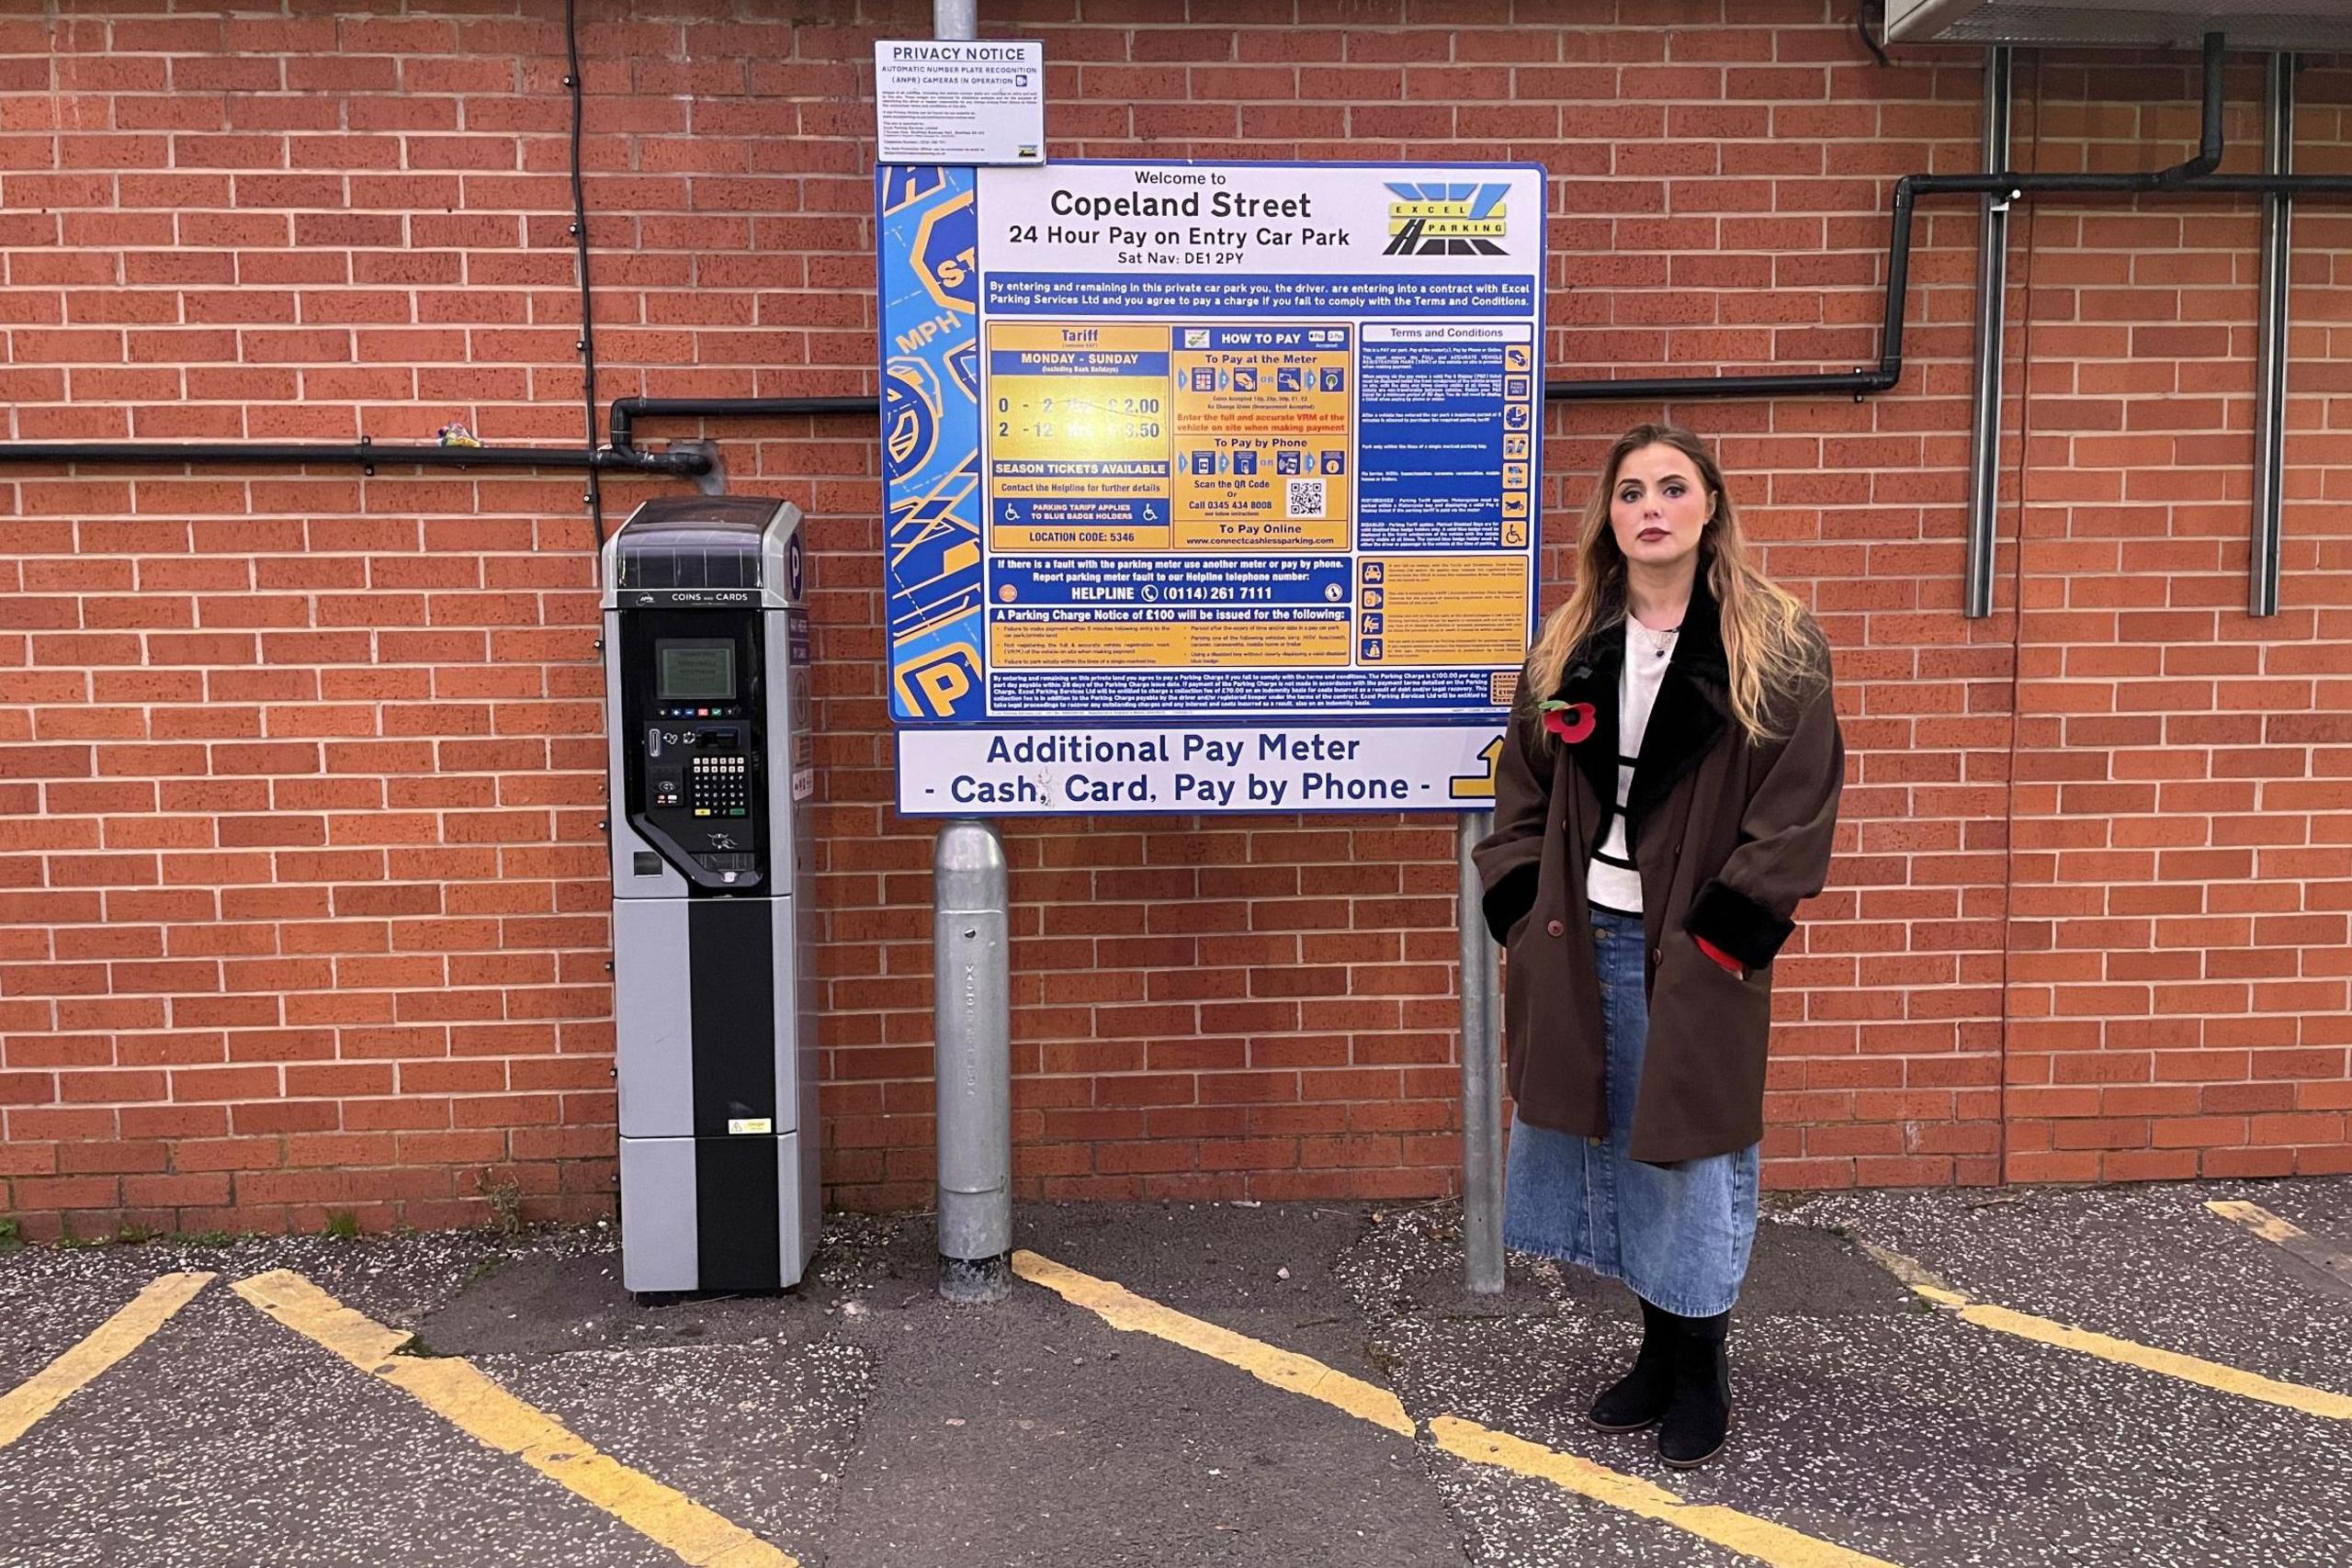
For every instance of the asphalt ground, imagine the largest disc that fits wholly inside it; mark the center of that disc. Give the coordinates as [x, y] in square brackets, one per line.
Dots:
[2118, 1376]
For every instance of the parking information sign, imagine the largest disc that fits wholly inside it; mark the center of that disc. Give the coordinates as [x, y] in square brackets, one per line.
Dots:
[1210, 487]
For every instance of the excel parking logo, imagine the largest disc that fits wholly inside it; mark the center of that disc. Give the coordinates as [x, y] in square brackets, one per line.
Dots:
[1447, 220]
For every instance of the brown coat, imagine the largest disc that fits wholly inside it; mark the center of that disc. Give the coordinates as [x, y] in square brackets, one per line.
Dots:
[1727, 837]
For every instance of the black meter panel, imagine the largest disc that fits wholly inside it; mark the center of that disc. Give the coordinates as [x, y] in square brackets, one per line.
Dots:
[693, 732]
[702, 597]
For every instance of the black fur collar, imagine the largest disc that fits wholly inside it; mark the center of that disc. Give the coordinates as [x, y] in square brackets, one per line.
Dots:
[1693, 711]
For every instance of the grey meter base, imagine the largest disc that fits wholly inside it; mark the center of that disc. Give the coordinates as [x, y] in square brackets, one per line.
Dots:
[706, 704]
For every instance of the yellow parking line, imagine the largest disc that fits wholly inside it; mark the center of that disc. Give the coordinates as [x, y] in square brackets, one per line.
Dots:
[2066, 1336]
[1286, 1369]
[1916, 1274]
[453, 1389]
[1121, 1308]
[2289, 1238]
[2258, 1219]
[109, 1342]
[1743, 1533]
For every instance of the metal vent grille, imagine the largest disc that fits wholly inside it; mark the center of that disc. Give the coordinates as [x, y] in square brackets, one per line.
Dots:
[2253, 25]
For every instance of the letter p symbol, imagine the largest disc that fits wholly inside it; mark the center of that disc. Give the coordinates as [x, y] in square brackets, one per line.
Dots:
[939, 683]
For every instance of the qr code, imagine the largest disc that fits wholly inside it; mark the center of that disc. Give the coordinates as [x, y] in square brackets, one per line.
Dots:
[1304, 497]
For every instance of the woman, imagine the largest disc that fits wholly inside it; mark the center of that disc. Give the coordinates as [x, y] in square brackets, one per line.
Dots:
[1666, 798]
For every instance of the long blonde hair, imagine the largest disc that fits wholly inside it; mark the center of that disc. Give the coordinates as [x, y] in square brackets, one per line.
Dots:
[1774, 654]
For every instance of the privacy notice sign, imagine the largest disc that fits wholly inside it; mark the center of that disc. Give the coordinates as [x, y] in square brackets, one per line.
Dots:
[1221, 477]
[959, 101]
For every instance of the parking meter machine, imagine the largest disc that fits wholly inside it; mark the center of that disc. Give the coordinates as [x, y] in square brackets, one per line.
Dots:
[706, 703]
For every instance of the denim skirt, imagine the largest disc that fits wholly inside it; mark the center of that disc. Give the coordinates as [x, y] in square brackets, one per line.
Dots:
[1679, 1234]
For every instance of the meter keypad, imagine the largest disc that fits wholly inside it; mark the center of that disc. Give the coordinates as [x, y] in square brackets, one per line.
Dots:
[721, 785]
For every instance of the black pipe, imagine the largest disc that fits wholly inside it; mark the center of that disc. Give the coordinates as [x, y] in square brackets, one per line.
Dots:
[364, 453]
[1764, 383]
[1783, 383]
[2188, 178]
[573, 85]
[626, 411]
[2208, 136]
[2275, 185]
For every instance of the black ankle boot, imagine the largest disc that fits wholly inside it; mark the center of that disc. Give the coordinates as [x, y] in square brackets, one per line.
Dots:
[1640, 1397]
[1698, 1415]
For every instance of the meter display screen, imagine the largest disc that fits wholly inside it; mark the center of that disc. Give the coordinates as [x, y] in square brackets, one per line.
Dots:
[696, 671]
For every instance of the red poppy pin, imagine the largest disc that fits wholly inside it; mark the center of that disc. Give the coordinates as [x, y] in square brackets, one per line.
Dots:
[1571, 721]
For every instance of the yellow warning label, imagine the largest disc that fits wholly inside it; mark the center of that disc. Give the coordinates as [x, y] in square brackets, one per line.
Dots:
[1450, 610]
[1077, 418]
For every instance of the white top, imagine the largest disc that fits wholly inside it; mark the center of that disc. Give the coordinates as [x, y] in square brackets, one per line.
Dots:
[1610, 881]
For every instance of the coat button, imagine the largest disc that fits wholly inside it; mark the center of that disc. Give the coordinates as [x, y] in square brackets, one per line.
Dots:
[1657, 955]
[1554, 927]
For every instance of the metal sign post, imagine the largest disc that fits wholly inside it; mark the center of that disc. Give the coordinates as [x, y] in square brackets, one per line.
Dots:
[1482, 1078]
[971, 998]
[972, 1008]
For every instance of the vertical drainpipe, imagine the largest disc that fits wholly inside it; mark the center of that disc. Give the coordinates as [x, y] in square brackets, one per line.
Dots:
[971, 1009]
[1991, 321]
[2271, 342]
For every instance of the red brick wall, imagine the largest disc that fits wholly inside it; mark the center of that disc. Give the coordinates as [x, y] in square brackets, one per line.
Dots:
[2182, 872]
[301, 897]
